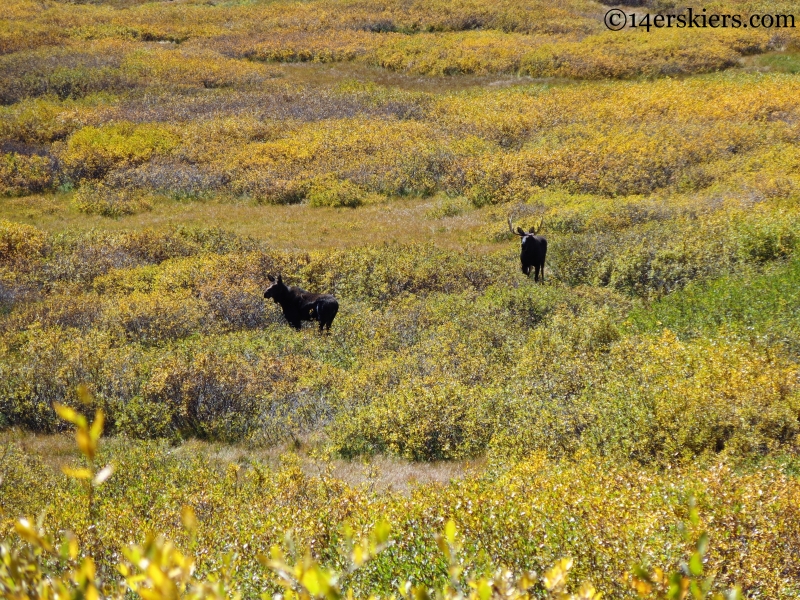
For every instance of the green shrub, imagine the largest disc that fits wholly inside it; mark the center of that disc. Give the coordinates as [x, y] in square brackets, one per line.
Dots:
[329, 191]
[760, 307]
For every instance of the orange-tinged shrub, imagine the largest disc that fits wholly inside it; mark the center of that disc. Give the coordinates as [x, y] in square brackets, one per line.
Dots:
[20, 174]
[20, 242]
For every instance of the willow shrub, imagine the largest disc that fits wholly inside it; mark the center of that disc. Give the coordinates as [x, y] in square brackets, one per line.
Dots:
[21, 174]
[497, 364]
[100, 199]
[20, 242]
[712, 526]
[275, 143]
[93, 151]
[754, 306]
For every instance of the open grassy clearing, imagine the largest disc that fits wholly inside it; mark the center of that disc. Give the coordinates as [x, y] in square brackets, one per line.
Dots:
[292, 227]
[379, 474]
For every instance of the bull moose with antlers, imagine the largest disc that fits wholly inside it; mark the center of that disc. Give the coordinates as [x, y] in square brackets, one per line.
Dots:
[299, 305]
[534, 249]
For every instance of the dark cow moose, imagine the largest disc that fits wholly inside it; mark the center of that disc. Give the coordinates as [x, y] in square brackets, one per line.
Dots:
[299, 305]
[534, 249]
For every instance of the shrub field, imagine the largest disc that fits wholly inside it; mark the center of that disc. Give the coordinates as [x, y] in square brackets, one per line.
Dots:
[629, 428]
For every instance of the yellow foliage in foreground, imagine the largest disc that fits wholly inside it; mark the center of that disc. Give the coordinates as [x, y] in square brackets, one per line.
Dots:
[36, 565]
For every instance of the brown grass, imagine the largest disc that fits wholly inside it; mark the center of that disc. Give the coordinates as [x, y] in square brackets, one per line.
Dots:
[54, 450]
[289, 227]
[380, 474]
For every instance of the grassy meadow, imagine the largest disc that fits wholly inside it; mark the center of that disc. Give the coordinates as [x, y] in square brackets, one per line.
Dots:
[629, 428]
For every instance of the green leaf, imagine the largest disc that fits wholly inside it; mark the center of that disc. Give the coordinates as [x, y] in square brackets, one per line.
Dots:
[702, 544]
[696, 564]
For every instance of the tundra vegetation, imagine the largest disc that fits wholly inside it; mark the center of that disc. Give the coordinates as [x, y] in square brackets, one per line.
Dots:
[634, 421]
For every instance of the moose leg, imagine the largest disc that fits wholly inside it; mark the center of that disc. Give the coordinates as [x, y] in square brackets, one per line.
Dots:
[327, 311]
[536, 273]
[334, 310]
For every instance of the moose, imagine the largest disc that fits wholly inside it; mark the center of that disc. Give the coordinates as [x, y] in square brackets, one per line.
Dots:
[299, 305]
[534, 249]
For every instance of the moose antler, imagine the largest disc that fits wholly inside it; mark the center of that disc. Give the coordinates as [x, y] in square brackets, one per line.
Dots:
[518, 231]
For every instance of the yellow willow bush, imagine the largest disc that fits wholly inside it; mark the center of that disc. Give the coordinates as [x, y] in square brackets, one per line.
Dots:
[205, 68]
[148, 318]
[524, 110]
[709, 527]
[208, 395]
[304, 46]
[578, 398]
[607, 55]
[592, 57]
[422, 421]
[668, 204]
[389, 157]
[467, 15]
[570, 38]
[242, 389]
[328, 191]
[650, 258]
[28, 36]
[730, 399]
[20, 174]
[416, 320]
[450, 54]
[61, 310]
[205, 141]
[44, 120]
[92, 151]
[663, 130]
[100, 199]
[594, 388]
[614, 160]
[491, 146]
[56, 367]
[620, 161]
[20, 242]
[66, 71]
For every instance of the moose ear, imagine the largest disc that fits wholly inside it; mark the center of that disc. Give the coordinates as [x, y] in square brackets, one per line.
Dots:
[271, 278]
[521, 231]
[280, 280]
